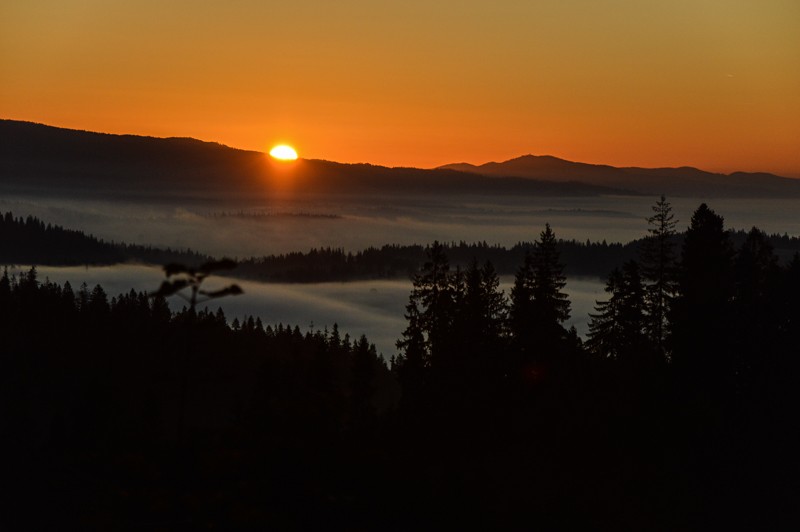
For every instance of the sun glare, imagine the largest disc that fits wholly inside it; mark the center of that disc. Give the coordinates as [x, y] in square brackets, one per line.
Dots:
[283, 152]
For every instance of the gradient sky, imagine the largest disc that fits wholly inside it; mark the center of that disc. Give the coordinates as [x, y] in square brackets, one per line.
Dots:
[707, 83]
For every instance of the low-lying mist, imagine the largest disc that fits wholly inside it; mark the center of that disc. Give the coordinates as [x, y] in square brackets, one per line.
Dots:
[374, 308]
[354, 223]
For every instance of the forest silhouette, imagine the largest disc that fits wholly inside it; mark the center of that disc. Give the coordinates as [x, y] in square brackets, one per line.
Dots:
[677, 412]
[29, 240]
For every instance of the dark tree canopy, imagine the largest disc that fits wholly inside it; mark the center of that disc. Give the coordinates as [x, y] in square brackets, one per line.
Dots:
[658, 270]
[701, 310]
[538, 304]
[491, 415]
[617, 330]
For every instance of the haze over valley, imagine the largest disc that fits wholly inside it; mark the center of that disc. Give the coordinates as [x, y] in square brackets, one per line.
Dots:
[186, 194]
[399, 266]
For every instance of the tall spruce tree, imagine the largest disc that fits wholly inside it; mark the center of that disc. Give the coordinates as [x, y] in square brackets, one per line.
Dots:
[657, 258]
[538, 304]
[617, 330]
[430, 314]
[755, 312]
[701, 320]
[552, 304]
[480, 321]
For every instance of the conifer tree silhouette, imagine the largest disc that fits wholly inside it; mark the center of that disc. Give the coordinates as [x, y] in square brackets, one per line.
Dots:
[616, 331]
[657, 258]
[538, 304]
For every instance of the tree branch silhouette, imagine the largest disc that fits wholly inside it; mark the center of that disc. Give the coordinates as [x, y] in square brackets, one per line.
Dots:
[180, 277]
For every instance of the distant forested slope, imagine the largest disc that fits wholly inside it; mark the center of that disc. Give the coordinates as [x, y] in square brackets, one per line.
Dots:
[31, 241]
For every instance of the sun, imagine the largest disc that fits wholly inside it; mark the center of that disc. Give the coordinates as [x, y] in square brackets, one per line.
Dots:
[283, 152]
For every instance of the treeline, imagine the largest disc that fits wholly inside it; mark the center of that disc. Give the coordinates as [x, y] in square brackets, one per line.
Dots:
[713, 310]
[679, 407]
[678, 412]
[115, 410]
[391, 261]
[31, 241]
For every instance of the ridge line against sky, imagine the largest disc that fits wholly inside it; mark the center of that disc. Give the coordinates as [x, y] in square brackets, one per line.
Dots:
[448, 166]
[706, 83]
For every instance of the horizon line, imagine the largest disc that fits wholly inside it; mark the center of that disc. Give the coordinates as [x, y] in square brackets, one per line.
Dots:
[788, 175]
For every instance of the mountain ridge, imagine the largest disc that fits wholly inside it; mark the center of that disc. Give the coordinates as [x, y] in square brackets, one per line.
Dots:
[47, 160]
[677, 181]
[40, 159]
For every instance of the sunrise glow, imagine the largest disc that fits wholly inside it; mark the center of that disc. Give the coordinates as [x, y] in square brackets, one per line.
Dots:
[638, 84]
[283, 152]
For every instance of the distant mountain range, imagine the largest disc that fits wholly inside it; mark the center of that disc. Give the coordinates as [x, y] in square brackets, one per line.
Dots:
[683, 181]
[43, 160]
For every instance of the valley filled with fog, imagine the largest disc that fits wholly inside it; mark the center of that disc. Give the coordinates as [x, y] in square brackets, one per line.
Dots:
[353, 223]
[375, 307]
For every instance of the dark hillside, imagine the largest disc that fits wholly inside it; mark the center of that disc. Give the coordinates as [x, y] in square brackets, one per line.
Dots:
[49, 161]
[683, 181]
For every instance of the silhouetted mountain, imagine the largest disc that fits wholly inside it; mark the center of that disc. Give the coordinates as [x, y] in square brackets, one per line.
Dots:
[45, 160]
[683, 181]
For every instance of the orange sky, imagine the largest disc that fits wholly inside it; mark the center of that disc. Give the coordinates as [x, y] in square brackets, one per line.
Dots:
[707, 83]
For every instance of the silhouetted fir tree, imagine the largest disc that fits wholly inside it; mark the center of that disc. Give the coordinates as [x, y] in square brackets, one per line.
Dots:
[521, 311]
[756, 269]
[365, 359]
[701, 311]
[788, 309]
[549, 280]
[617, 330]
[657, 258]
[604, 326]
[483, 310]
[433, 284]
[755, 314]
[427, 338]
[98, 302]
[475, 350]
[538, 304]
[5, 294]
[83, 298]
[412, 360]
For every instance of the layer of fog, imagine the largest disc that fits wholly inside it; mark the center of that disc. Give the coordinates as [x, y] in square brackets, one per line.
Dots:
[373, 308]
[358, 222]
